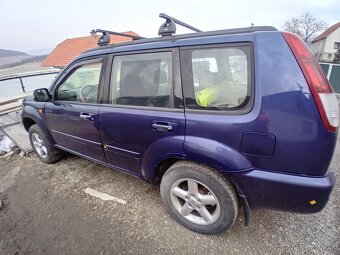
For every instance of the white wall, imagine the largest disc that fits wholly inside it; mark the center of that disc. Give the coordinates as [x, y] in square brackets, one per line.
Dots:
[333, 37]
[323, 49]
[318, 47]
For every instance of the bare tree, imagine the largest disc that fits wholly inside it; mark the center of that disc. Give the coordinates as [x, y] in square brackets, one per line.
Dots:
[306, 26]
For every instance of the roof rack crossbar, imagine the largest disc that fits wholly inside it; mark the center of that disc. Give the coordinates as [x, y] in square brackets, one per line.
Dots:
[181, 23]
[105, 38]
[134, 37]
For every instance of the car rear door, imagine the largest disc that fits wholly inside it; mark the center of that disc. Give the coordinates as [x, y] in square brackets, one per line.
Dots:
[72, 114]
[142, 121]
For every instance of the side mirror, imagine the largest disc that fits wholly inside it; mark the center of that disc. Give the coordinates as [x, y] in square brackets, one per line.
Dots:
[41, 95]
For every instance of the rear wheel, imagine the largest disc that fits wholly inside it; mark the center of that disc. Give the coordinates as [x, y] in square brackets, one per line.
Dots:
[42, 147]
[199, 198]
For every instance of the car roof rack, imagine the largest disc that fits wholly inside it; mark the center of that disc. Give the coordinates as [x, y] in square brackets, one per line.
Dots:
[168, 28]
[193, 35]
[105, 38]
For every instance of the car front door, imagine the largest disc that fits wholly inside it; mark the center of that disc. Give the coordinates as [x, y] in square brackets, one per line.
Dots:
[143, 119]
[72, 114]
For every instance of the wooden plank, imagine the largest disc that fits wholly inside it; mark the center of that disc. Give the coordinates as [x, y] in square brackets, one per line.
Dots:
[14, 109]
[19, 136]
[9, 107]
[13, 99]
[10, 118]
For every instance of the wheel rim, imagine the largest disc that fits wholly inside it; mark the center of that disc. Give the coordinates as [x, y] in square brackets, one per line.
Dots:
[39, 145]
[195, 201]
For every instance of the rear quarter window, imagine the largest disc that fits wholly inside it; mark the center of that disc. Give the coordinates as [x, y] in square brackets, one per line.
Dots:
[217, 78]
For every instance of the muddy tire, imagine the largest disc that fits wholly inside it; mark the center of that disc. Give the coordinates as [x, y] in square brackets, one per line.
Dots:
[199, 198]
[42, 147]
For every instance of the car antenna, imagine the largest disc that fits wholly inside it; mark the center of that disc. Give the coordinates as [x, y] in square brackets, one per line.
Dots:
[168, 28]
[105, 38]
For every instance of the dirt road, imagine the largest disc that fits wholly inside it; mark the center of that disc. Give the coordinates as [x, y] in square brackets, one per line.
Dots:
[47, 211]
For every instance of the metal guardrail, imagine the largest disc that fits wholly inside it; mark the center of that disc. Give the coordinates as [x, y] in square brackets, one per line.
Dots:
[20, 76]
[28, 74]
[22, 86]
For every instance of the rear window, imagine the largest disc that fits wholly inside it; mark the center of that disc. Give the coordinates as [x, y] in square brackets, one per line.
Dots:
[217, 78]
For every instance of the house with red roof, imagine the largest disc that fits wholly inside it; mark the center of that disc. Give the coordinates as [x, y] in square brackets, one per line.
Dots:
[71, 48]
[327, 45]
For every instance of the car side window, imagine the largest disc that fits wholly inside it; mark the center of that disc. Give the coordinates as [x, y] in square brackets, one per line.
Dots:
[142, 79]
[218, 78]
[81, 85]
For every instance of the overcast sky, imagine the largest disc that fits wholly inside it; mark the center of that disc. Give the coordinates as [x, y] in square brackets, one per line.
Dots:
[36, 24]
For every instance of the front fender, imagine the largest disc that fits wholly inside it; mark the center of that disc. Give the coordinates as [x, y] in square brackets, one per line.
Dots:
[214, 154]
[31, 112]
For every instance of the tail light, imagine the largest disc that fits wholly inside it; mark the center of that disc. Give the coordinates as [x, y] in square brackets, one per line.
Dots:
[322, 92]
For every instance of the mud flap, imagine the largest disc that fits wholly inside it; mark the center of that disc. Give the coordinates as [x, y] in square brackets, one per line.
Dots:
[246, 209]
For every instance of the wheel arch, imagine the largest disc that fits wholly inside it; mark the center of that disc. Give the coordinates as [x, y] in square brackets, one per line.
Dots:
[218, 156]
[30, 117]
[214, 154]
[165, 164]
[28, 122]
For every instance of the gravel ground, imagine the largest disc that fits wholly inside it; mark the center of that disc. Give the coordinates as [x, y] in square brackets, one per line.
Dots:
[46, 211]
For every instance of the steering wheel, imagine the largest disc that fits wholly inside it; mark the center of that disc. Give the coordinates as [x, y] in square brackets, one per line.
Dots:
[88, 92]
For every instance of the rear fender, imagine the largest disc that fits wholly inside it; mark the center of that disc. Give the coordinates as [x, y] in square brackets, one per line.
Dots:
[162, 149]
[214, 154]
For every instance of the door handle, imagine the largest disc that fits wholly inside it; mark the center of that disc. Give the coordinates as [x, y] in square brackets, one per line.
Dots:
[87, 116]
[164, 126]
[160, 127]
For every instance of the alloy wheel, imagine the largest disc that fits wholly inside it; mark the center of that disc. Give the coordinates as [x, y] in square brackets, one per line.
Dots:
[39, 145]
[195, 201]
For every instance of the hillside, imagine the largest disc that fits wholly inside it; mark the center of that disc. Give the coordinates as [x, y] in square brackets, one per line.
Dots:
[11, 53]
[11, 58]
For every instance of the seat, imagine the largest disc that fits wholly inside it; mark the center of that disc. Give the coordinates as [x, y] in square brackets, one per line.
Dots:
[132, 91]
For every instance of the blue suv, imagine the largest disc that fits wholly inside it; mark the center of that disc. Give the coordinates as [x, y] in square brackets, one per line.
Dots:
[222, 120]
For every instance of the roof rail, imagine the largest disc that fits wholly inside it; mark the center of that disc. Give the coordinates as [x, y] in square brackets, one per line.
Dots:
[168, 28]
[193, 35]
[105, 38]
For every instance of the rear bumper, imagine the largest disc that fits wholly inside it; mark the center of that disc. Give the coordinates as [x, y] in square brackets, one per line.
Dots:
[278, 191]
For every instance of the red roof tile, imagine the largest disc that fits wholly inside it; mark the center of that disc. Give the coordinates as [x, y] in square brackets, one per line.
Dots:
[71, 48]
[328, 31]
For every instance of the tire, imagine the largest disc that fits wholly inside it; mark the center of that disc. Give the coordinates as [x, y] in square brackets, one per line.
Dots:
[42, 147]
[208, 207]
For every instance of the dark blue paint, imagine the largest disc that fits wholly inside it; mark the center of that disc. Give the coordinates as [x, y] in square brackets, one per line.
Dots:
[131, 130]
[282, 191]
[219, 155]
[258, 144]
[72, 132]
[30, 112]
[277, 155]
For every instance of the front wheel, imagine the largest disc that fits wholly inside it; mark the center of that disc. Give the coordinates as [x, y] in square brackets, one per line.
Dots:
[42, 146]
[199, 198]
